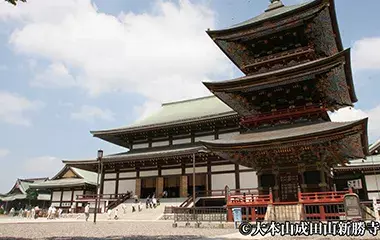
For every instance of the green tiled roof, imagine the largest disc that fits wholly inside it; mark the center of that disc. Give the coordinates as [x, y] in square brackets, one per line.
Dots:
[181, 112]
[85, 177]
[66, 182]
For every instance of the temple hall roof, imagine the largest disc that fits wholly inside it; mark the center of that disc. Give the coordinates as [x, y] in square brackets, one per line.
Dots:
[179, 112]
[80, 177]
[145, 154]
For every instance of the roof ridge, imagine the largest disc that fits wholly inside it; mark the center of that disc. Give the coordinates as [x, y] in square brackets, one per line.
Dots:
[187, 100]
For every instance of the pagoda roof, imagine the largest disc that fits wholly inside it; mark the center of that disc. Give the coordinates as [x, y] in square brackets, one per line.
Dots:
[179, 112]
[283, 134]
[281, 12]
[269, 14]
[375, 146]
[278, 76]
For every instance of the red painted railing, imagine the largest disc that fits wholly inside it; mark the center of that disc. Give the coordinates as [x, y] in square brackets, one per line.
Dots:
[315, 206]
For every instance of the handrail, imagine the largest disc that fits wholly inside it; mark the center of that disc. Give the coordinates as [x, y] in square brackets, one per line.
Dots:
[101, 196]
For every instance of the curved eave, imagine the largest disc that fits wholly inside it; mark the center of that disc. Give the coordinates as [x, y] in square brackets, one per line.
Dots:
[144, 128]
[239, 84]
[215, 145]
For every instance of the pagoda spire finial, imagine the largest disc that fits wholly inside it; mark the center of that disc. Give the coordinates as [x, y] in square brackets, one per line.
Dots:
[274, 4]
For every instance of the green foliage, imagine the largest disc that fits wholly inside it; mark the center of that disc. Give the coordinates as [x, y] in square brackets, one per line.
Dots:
[31, 194]
[14, 2]
[1, 211]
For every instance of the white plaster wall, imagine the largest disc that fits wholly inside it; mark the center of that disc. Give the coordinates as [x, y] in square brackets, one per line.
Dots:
[220, 168]
[207, 137]
[148, 173]
[76, 193]
[171, 171]
[127, 185]
[109, 175]
[248, 180]
[371, 182]
[371, 195]
[109, 187]
[181, 141]
[241, 167]
[66, 196]
[160, 143]
[228, 135]
[141, 145]
[197, 170]
[127, 174]
[56, 196]
[219, 181]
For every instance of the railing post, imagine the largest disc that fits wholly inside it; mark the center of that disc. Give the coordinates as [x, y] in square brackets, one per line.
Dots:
[270, 195]
[299, 193]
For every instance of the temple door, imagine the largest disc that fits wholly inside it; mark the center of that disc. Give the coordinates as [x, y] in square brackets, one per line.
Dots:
[288, 186]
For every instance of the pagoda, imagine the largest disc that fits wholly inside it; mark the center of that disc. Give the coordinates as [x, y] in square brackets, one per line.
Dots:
[296, 70]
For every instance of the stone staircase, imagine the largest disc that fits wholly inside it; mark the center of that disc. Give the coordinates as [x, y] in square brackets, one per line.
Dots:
[125, 210]
[282, 213]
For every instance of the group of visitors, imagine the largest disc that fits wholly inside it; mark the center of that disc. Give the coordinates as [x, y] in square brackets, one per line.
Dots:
[152, 202]
[31, 212]
[53, 213]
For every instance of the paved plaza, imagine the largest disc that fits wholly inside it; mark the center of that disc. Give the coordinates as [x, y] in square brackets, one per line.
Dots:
[17, 228]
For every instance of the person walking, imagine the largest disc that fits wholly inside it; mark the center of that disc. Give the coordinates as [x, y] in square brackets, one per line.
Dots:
[147, 202]
[87, 212]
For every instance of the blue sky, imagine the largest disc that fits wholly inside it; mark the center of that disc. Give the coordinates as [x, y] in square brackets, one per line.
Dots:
[68, 67]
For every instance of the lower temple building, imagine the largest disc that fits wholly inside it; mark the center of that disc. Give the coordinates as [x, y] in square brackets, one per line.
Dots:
[22, 196]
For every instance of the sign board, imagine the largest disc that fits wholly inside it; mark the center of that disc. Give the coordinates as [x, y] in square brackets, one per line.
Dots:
[352, 207]
[237, 216]
[355, 184]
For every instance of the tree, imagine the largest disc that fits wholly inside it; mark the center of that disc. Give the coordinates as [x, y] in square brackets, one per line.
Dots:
[14, 2]
[31, 195]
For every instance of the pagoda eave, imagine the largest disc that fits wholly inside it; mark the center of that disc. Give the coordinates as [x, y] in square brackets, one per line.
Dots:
[342, 141]
[278, 76]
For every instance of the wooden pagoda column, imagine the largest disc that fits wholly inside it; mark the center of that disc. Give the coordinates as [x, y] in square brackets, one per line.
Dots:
[276, 188]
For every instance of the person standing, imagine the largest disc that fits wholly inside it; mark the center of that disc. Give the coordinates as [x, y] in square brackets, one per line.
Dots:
[147, 202]
[87, 212]
[116, 214]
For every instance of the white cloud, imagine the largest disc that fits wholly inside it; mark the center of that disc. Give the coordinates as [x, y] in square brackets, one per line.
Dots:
[351, 114]
[55, 76]
[50, 166]
[90, 113]
[13, 108]
[366, 54]
[4, 152]
[162, 55]
[146, 109]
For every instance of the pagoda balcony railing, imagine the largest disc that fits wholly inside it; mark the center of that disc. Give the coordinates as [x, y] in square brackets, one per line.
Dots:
[322, 197]
[282, 114]
[280, 56]
[310, 206]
